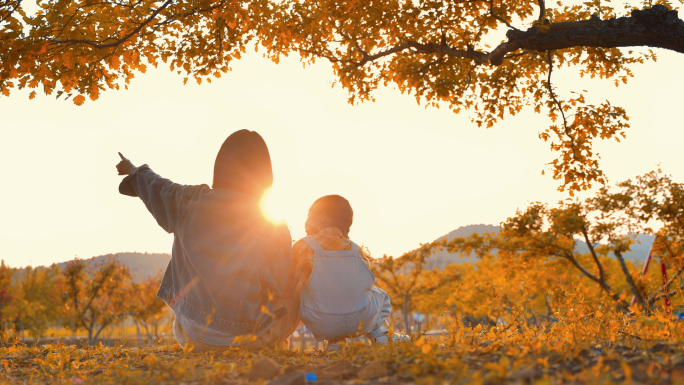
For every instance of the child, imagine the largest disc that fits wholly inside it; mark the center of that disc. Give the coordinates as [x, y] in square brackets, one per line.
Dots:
[338, 299]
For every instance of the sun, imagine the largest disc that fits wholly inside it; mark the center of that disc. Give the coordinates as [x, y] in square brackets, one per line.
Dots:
[271, 209]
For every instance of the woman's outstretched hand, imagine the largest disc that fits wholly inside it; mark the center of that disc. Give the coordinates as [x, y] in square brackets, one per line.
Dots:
[125, 166]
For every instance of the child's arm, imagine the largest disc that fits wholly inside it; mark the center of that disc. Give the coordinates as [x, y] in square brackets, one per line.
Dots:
[300, 269]
[165, 200]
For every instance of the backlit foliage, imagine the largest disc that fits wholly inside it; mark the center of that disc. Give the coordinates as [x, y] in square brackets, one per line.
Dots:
[30, 298]
[531, 309]
[82, 296]
[491, 58]
[586, 345]
[536, 249]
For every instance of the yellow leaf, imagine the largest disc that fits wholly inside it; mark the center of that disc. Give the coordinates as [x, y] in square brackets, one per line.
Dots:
[151, 359]
[188, 347]
[426, 349]
[79, 100]
[627, 370]
[265, 310]
[244, 338]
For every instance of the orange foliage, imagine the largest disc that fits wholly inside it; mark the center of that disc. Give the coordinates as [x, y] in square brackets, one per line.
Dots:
[439, 52]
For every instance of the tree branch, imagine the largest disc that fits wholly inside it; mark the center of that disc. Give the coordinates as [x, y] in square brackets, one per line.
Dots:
[593, 253]
[10, 12]
[624, 305]
[497, 17]
[123, 39]
[655, 27]
[549, 59]
[668, 294]
[630, 281]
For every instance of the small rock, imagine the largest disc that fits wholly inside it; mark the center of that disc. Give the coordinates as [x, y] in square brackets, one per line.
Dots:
[265, 368]
[292, 378]
[372, 371]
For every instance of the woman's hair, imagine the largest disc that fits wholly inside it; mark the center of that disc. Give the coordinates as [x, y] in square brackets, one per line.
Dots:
[243, 164]
[330, 211]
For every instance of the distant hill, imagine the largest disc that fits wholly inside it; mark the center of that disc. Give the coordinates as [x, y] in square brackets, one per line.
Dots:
[142, 265]
[440, 259]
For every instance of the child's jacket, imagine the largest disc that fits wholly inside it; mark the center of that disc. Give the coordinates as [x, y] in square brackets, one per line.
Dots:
[337, 301]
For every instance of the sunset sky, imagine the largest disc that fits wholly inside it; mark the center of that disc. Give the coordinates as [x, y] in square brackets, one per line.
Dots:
[411, 174]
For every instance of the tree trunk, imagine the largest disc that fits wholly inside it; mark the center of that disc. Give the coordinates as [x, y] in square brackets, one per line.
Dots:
[407, 324]
[149, 337]
[137, 328]
[21, 325]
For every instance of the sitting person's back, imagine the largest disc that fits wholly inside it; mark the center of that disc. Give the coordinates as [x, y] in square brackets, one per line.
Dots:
[228, 262]
[338, 299]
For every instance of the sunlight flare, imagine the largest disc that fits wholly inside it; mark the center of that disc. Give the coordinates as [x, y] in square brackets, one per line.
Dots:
[272, 208]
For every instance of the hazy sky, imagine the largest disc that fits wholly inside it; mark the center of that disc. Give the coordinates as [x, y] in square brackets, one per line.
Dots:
[411, 174]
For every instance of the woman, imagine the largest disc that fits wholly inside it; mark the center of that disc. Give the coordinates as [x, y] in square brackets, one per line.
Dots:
[229, 264]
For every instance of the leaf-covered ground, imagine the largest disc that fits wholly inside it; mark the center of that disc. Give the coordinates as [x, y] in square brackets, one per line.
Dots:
[478, 357]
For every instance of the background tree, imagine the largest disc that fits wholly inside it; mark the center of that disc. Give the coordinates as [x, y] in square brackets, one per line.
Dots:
[36, 299]
[404, 278]
[6, 281]
[541, 239]
[97, 295]
[146, 309]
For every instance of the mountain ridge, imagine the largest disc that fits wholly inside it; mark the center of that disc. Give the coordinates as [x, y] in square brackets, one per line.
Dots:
[144, 265]
[141, 265]
[638, 251]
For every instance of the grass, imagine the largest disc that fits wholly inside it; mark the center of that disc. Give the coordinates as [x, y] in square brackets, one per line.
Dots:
[473, 355]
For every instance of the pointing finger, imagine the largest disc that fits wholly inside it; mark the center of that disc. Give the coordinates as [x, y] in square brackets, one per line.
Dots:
[122, 157]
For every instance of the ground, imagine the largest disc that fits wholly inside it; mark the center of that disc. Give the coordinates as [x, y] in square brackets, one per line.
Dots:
[422, 361]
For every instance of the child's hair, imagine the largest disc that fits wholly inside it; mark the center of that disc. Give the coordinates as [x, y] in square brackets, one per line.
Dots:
[330, 211]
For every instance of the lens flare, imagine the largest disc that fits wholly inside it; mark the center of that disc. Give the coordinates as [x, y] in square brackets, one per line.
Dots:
[271, 210]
